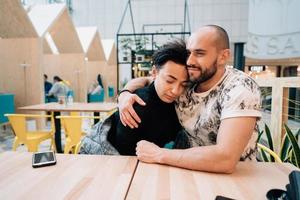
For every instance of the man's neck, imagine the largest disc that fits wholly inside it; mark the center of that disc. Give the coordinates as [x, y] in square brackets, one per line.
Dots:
[207, 85]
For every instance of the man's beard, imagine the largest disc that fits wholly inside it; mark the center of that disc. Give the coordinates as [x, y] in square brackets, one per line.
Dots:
[205, 75]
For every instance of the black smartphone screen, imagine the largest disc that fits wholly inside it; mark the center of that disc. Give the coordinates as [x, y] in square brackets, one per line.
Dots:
[219, 197]
[43, 159]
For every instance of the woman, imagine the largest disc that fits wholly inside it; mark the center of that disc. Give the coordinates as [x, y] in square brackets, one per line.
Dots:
[159, 120]
[96, 86]
[59, 88]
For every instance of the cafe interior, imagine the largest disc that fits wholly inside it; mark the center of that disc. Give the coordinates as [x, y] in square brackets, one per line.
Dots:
[64, 64]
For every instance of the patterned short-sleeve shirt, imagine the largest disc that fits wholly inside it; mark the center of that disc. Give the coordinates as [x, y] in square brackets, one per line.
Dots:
[235, 95]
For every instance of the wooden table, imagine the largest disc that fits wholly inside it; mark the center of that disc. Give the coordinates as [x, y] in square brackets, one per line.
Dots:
[75, 107]
[73, 177]
[249, 181]
[119, 177]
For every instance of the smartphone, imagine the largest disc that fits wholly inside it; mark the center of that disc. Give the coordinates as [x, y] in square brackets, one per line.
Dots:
[219, 197]
[41, 159]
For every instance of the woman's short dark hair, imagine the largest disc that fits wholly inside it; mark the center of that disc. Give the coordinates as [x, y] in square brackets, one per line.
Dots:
[174, 50]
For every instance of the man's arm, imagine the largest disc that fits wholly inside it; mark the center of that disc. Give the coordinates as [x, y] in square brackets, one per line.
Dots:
[137, 83]
[234, 135]
[126, 99]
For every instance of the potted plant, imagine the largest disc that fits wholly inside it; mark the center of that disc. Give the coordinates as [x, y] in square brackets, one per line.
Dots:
[289, 149]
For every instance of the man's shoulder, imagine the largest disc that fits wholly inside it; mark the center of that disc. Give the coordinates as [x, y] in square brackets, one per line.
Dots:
[238, 74]
[237, 79]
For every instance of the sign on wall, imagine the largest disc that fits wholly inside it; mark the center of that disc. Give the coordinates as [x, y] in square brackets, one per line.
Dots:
[273, 29]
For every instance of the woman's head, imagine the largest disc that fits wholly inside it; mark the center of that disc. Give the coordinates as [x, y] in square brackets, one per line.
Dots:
[169, 70]
[57, 79]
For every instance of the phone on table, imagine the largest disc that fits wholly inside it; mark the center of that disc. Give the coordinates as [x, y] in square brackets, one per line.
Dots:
[41, 159]
[219, 197]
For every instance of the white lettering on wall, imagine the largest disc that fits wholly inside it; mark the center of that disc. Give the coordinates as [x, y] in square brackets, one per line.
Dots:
[273, 47]
[274, 29]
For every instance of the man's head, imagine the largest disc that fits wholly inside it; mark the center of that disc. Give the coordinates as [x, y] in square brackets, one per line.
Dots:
[208, 49]
[169, 70]
[45, 77]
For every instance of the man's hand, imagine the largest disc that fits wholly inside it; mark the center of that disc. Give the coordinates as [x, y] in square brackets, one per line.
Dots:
[148, 152]
[127, 114]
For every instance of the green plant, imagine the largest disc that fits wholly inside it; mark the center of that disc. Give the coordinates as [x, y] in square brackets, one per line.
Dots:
[141, 43]
[289, 149]
[126, 45]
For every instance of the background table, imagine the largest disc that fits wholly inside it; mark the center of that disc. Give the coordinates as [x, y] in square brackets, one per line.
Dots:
[73, 177]
[56, 108]
[75, 107]
[249, 181]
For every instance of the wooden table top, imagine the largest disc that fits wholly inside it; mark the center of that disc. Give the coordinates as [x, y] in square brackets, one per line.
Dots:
[73, 177]
[249, 181]
[75, 107]
[112, 177]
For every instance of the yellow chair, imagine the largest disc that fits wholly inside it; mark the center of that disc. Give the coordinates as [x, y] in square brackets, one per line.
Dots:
[31, 139]
[269, 151]
[73, 129]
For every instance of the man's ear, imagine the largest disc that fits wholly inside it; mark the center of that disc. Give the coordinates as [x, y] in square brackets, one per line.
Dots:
[154, 72]
[224, 56]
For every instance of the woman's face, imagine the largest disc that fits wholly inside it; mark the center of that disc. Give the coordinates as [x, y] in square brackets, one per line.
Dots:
[170, 81]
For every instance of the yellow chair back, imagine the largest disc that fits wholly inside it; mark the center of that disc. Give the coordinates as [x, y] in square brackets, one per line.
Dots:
[73, 131]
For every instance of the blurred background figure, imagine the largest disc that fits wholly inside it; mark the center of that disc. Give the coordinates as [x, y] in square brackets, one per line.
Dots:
[47, 84]
[96, 86]
[59, 88]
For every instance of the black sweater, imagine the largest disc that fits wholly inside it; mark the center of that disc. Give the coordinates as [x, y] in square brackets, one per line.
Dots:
[159, 123]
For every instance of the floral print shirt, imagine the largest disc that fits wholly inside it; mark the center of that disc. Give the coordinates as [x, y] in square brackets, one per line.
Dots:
[235, 95]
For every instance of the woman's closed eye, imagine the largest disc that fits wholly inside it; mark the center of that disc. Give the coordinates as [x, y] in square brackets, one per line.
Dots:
[170, 80]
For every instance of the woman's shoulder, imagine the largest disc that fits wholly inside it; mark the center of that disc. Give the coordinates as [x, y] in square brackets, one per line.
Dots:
[147, 94]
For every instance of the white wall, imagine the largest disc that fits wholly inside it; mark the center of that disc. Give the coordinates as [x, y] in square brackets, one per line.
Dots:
[276, 34]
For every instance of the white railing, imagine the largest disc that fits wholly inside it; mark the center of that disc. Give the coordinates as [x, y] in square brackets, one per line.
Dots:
[279, 101]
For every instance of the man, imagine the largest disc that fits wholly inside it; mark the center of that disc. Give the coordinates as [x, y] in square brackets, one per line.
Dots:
[160, 122]
[219, 112]
[47, 84]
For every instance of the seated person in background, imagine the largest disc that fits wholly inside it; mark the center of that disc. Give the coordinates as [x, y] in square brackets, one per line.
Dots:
[160, 123]
[96, 86]
[59, 88]
[218, 112]
[47, 84]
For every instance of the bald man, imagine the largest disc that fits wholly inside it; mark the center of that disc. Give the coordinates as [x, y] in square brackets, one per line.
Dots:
[218, 112]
